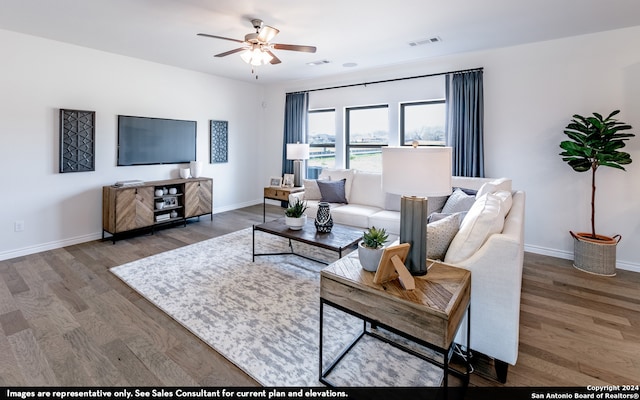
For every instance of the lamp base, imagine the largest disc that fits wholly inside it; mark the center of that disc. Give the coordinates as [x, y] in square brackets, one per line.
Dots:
[297, 173]
[413, 230]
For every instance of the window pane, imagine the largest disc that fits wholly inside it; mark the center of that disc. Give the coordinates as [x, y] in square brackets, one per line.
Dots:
[424, 122]
[369, 126]
[322, 139]
[364, 159]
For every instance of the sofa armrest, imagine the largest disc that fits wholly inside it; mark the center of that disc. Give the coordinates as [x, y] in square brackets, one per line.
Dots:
[496, 281]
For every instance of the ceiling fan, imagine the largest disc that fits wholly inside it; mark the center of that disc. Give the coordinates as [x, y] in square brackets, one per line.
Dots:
[257, 49]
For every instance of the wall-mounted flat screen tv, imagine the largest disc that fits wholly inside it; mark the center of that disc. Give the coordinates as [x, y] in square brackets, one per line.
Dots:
[144, 141]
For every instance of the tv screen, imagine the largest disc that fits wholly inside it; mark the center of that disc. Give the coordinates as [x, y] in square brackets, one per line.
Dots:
[144, 141]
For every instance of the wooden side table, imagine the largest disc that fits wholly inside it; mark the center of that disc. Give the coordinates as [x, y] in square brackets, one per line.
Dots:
[277, 193]
[430, 315]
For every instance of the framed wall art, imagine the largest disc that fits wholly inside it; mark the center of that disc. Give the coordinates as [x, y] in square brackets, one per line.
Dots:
[219, 141]
[77, 140]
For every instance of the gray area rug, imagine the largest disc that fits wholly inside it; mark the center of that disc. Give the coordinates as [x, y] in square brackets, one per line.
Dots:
[264, 316]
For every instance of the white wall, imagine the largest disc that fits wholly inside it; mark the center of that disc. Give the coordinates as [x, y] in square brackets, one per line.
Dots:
[531, 92]
[38, 77]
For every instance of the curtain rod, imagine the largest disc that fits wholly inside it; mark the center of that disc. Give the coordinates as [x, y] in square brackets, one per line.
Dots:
[388, 80]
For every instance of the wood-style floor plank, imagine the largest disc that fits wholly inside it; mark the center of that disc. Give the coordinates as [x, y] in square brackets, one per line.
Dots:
[66, 320]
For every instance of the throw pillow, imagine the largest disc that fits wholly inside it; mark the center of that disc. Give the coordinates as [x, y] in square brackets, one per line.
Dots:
[433, 217]
[457, 202]
[332, 191]
[336, 175]
[311, 189]
[440, 234]
[392, 202]
[483, 220]
[494, 186]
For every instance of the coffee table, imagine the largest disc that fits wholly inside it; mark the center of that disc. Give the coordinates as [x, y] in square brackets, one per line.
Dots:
[340, 238]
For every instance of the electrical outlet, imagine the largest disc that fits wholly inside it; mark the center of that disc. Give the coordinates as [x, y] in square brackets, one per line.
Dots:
[18, 226]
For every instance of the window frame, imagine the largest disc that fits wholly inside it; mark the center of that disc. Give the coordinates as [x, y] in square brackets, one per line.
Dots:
[347, 131]
[308, 139]
[402, 118]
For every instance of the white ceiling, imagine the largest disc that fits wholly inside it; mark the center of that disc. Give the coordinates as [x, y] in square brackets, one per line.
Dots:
[370, 33]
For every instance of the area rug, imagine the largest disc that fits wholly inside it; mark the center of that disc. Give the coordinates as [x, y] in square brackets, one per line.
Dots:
[264, 316]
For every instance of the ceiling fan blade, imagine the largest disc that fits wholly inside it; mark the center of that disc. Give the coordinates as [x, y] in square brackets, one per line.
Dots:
[220, 37]
[274, 60]
[267, 33]
[226, 53]
[294, 47]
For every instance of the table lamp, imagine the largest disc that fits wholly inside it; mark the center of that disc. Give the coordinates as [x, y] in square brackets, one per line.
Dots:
[297, 152]
[416, 172]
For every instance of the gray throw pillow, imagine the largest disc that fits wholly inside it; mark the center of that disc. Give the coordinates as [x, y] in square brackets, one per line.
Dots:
[333, 191]
[440, 234]
[458, 201]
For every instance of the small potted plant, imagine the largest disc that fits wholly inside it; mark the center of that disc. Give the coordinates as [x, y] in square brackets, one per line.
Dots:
[371, 247]
[294, 215]
[595, 141]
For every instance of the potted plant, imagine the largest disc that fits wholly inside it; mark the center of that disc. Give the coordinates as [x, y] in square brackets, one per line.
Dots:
[595, 141]
[371, 247]
[294, 215]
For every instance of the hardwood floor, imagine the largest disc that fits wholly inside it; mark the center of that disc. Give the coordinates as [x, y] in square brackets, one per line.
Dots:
[66, 320]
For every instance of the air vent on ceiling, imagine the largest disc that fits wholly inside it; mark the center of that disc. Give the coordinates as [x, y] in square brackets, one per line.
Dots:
[318, 62]
[435, 39]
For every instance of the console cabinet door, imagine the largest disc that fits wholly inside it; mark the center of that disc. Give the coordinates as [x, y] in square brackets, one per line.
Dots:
[133, 208]
[198, 198]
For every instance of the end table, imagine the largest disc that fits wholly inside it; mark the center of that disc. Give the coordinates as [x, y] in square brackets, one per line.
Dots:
[430, 315]
[277, 193]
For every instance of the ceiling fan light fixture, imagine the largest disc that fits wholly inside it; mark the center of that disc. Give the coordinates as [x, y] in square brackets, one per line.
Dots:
[256, 56]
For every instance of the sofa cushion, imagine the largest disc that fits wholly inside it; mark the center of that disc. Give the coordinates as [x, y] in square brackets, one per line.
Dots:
[311, 189]
[458, 201]
[333, 191]
[337, 174]
[353, 214]
[366, 189]
[440, 234]
[434, 204]
[387, 219]
[483, 220]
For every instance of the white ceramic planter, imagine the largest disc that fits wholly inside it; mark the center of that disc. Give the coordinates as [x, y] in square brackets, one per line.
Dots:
[295, 223]
[369, 258]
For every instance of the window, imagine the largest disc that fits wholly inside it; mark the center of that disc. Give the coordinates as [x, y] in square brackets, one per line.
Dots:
[367, 131]
[322, 140]
[423, 121]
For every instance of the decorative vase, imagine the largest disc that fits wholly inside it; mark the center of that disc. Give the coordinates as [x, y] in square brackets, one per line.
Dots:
[174, 214]
[324, 221]
[159, 205]
[369, 258]
[159, 192]
[185, 173]
[294, 223]
[196, 169]
[173, 191]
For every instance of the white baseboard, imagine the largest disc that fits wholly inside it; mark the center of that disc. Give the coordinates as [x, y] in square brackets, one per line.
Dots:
[25, 251]
[568, 255]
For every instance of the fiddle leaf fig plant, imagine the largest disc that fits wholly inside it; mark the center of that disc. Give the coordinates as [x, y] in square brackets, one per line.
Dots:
[594, 142]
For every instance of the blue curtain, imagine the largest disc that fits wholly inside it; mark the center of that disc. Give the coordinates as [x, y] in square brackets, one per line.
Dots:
[295, 125]
[465, 122]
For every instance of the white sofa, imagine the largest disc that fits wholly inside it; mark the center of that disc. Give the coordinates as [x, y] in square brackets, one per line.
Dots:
[496, 266]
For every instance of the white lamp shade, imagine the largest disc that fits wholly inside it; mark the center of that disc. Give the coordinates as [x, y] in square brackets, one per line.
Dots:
[297, 151]
[419, 171]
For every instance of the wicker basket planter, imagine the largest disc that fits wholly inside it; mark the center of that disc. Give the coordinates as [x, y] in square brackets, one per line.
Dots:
[595, 256]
